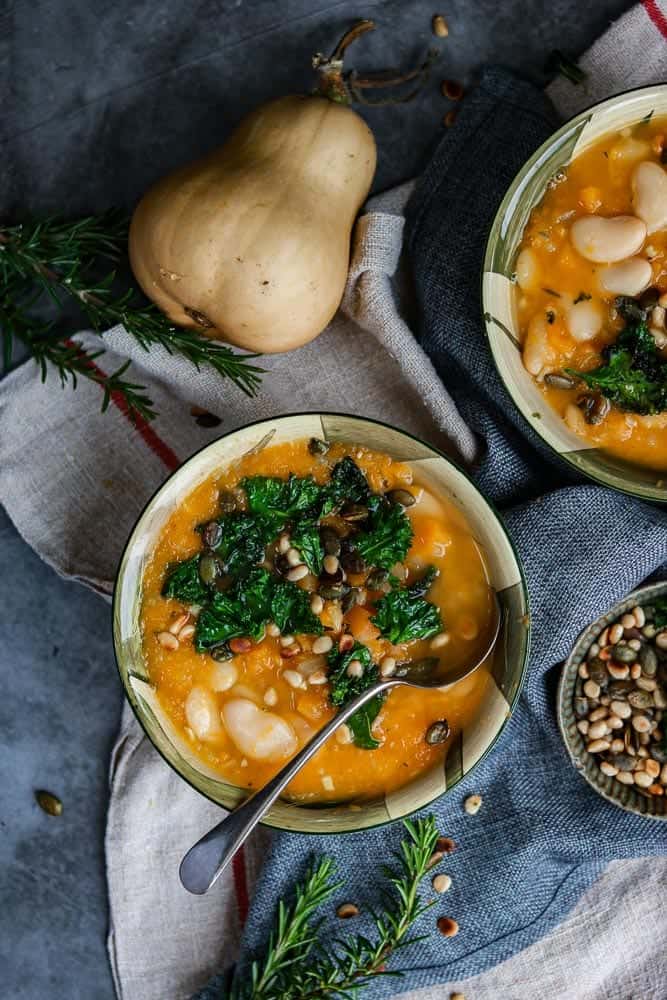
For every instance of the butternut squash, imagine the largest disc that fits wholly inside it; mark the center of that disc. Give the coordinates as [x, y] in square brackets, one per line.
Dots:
[251, 244]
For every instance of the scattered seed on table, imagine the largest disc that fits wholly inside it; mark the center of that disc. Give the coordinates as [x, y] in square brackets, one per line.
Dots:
[347, 910]
[435, 859]
[447, 926]
[473, 804]
[452, 90]
[457, 996]
[441, 883]
[445, 845]
[48, 802]
[439, 26]
[449, 118]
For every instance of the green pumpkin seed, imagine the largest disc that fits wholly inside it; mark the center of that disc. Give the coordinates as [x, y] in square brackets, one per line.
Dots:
[48, 802]
[641, 699]
[624, 654]
[402, 497]
[330, 541]
[333, 592]
[649, 661]
[228, 501]
[623, 761]
[581, 707]
[437, 732]
[318, 447]
[354, 512]
[377, 579]
[208, 569]
[597, 671]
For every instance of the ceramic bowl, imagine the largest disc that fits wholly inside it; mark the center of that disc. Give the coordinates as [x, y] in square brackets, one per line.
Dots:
[506, 665]
[626, 796]
[499, 293]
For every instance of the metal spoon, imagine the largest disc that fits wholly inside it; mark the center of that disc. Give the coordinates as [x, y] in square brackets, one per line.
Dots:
[208, 858]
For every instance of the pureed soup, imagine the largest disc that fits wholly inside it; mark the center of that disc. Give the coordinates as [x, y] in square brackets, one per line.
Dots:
[592, 294]
[283, 586]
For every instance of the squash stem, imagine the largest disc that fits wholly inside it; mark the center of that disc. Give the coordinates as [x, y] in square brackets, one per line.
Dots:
[348, 88]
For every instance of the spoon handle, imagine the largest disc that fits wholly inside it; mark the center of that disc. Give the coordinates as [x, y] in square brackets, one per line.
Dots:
[208, 858]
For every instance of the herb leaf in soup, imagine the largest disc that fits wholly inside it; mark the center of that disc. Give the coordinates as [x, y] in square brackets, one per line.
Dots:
[243, 541]
[347, 484]
[281, 499]
[634, 376]
[185, 584]
[305, 537]
[250, 603]
[290, 610]
[403, 615]
[344, 687]
[387, 535]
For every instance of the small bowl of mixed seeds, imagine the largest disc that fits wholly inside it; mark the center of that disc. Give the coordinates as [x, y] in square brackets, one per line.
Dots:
[612, 703]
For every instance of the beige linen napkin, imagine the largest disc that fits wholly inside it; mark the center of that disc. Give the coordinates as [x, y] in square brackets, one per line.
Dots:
[74, 481]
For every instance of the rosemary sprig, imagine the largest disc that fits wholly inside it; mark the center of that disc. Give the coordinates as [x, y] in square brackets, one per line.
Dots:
[59, 259]
[298, 966]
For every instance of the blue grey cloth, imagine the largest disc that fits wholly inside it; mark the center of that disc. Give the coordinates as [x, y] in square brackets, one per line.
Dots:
[544, 835]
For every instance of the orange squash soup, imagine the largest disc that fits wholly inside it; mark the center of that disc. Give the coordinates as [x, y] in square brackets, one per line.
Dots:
[591, 278]
[287, 583]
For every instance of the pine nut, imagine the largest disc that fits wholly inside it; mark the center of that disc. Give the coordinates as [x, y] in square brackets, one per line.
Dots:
[661, 639]
[617, 746]
[347, 910]
[625, 778]
[344, 734]
[583, 671]
[271, 697]
[614, 722]
[167, 640]
[640, 617]
[439, 26]
[316, 604]
[598, 746]
[615, 634]
[621, 709]
[608, 769]
[652, 767]
[441, 883]
[597, 730]
[355, 669]
[293, 557]
[330, 564]
[656, 789]
[440, 640]
[640, 724]
[629, 621]
[297, 573]
[597, 714]
[322, 644]
[447, 926]
[178, 624]
[387, 666]
[294, 679]
[635, 671]
[582, 726]
[473, 804]
[642, 779]
[591, 689]
[618, 672]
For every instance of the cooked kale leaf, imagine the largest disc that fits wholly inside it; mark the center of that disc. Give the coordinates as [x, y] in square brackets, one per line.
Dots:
[185, 584]
[251, 602]
[403, 615]
[305, 537]
[347, 484]
[343, 688]
[243, 541]
[281, 499]
[634, 375]
[387, 535]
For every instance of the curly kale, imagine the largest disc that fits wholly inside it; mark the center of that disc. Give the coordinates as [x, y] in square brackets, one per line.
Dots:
[403, 615]
[344, 688]
[387, 535]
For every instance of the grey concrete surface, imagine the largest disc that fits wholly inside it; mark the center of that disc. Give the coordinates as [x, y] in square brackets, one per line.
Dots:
[98, 100]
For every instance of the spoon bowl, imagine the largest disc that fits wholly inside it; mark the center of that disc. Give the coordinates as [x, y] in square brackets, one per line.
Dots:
[207, 859]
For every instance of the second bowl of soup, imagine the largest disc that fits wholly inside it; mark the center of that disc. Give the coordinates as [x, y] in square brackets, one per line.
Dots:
[281, 571]
[575, 292]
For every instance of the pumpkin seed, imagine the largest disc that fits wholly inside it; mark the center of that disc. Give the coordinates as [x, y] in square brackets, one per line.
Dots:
[228, 501]
[641, 699]
[316, 446]
[354, 512]
[620, 689]
[351, 598]
[211, 535]
[220, 652]
[581, 707]
[48, 802]
[330, 541]
[624, 654]
[402, 497]
[352, 562]
[208, 568]
[558, 380]
[333, 592]
[597, 671]
[377, 579]
[623, 761]
[648, 660]
[437, 732]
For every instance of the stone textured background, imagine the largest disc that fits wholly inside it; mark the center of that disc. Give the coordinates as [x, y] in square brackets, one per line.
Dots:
[98, 100]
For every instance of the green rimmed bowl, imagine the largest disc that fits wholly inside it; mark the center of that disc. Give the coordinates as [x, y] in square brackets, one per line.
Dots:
[499, 293]
[505, 574]
[626, 796]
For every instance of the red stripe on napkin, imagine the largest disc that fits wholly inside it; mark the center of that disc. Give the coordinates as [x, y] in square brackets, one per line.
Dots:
[240, 885]
[656, 15]
[143, 428]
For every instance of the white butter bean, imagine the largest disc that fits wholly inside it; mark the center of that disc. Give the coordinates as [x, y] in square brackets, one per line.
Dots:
[223, 676]
[574, 419]
[537, 352]
[527, 270]
[201, 713]
[649, 195]
[584, 320]
[606, 241]
[258, 734]
[628, 277]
